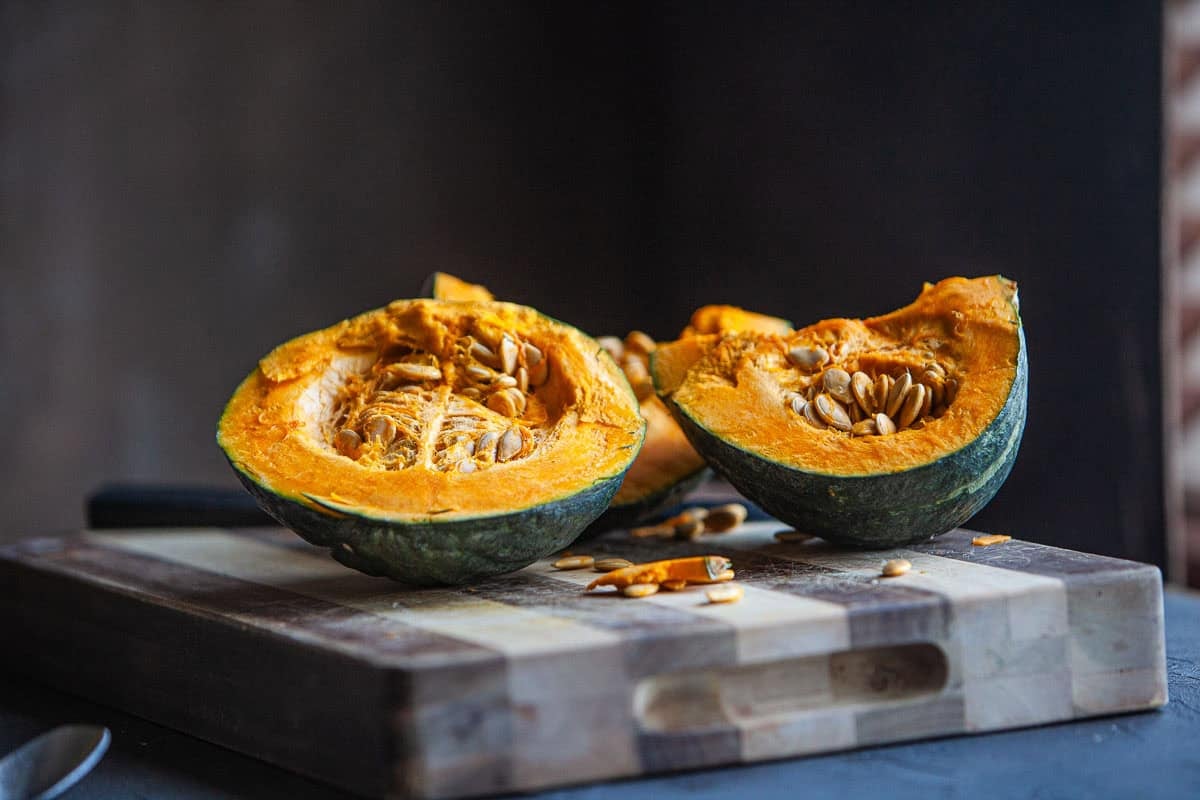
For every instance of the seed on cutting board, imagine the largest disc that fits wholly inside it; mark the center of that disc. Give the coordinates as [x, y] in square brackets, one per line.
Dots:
[609, 564]
[673, 585]
[988, 539]
[689, 530]
[896, 567]
[725, 518]
[792, 536]
[652, 531]
[640, 590]
[729, 593]
[575, 562]
[724, 577]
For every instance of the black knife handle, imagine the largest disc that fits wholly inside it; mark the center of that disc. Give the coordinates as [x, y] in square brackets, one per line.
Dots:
[142, 506]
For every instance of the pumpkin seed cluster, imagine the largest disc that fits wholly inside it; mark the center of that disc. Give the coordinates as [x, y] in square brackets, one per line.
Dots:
[862, 403]
[477, 408]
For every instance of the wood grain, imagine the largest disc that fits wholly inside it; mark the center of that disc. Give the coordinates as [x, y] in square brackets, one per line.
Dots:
[257, 641]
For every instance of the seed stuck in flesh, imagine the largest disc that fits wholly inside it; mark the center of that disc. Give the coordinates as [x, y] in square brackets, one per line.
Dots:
[896, 567]
[509, 445]
[862, 405]
[347, 442]
[808, 358]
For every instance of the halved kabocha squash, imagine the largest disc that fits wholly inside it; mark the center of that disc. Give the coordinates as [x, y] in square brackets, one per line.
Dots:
[435, 441]
[870, 433]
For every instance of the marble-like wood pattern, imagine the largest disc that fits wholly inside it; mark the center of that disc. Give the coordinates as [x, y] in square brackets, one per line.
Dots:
[525, 681]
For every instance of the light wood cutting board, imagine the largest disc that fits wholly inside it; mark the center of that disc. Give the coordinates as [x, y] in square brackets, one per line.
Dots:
[259, 642]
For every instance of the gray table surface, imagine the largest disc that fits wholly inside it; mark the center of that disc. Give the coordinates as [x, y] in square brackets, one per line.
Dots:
[1153, 755]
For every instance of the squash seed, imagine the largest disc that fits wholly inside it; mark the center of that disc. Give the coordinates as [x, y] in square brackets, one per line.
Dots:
[724, 577]
[482, 353]
[831, 412]
[508, 354]
[883, 388]
[951, 391]
[797, 403]
[509, 445]
[640, 589]
[415, 372]
[810, 414]
[884, 425]
[864, 428]
[478, 373]
[808, 358]
[486, 446]
[673, 585]
[862, 387]
[614, 346]
[502, 402]
[575, 562]
[837, 384]
[729, 593]
[347, 442]
[382, 430]
[897, 395]
[640, 342]
[792, 536]
[539, 372]
[911, 409]
[896, 567]
[611, 564]
[466, 465]
[725, 518]
[689, 530]
[504, 381]
[926, 404]
[533, 355]
[652, 531]
[523, 379]
[989, 539]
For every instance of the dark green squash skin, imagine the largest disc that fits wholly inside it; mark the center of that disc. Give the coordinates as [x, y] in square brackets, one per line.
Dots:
[441, 552]
[626, 515]
[877, 511]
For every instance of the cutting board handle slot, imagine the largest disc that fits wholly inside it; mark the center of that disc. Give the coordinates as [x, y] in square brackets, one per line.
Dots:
[700, 699]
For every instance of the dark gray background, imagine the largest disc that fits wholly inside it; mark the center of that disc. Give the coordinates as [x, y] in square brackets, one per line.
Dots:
[187, 184]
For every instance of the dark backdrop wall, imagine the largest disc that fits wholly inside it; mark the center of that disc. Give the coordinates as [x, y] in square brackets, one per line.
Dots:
[185, 185]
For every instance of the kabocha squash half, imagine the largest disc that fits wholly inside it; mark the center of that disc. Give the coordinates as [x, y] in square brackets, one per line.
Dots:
[871, 433]
[435, 442]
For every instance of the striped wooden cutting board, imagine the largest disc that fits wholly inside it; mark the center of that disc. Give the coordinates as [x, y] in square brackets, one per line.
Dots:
[259, 642]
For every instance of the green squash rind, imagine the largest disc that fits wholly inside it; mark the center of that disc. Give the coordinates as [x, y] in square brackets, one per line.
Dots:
[439, 552]
[626, 515]
[884, 510]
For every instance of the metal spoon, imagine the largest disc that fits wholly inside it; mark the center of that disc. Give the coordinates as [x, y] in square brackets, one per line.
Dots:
[47, 766]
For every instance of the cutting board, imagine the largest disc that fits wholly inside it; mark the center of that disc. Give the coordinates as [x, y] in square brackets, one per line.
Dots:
[259, 642]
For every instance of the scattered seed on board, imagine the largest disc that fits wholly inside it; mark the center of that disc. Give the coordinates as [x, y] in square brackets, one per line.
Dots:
[652, 531]
[610, 564]
[724, 577]
[792, 536]
[896, 567]
[725, 518]
[673, 585]
[575, 562]
[689, 530]
[640, 590]
[988, 539]
[727, 593]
